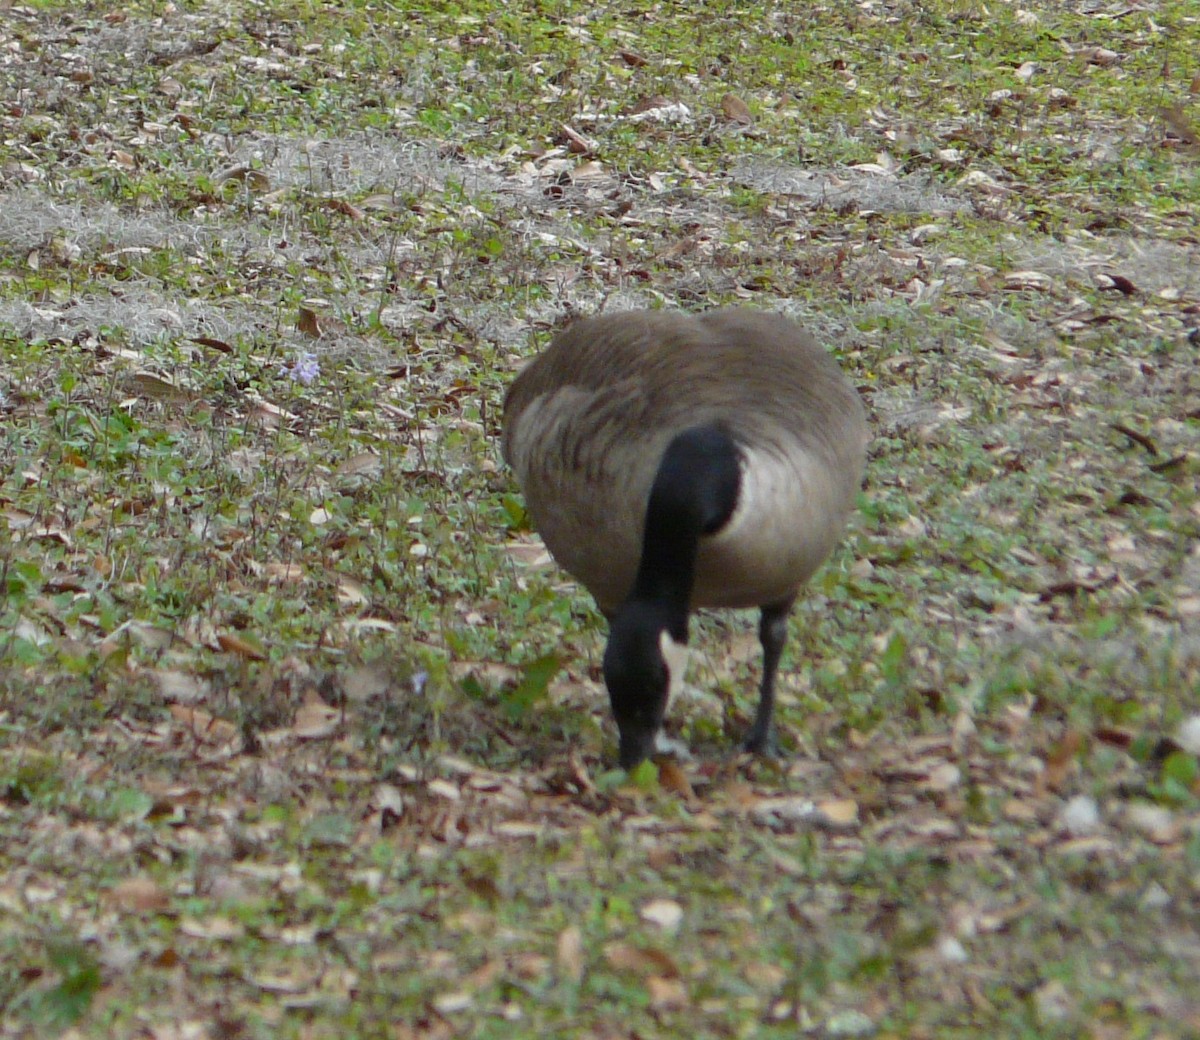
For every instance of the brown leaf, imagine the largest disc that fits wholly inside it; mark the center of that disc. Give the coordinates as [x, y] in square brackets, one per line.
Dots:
[1119, 282]
[346, 209]
[672, 778]
[736, 110]
[484, 887]
[307, 323]
[203, 726]
[364, 681]
[1060, 758]
[363, 463]
[254, 179]
[277, 572]
[232, 643]
[577, 144]
[316, 719]
[139, 895]
[270, 415]
[1155, 822]
[531, 553]
[838, 813]
[649, 104]
[570, 952]
[158, 388]
[1117, 736]
[666, 994]
[1099, 56]
[627, 957]
[1180, 125]
[943, 777]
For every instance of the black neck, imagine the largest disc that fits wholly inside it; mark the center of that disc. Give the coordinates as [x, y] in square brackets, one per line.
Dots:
[695, 492]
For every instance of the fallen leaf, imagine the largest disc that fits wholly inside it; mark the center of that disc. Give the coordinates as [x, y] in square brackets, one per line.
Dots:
[672, 778]
[307, 323]
[1060, 759]
[203, 726]
[221, 929]
[1017, 280]
[662, 913]
[444, 789]
[346, 209]
[158, 388]
[316, 719]
[235, 644]
[140, 895]
[666, 994]
[453, 1003]
[570, 952]
[1180, 125]
[942, 778]
[279, 573]
[363, 463]
[254, 179]
[351, 593]
[531, 553]
[577, 144]
[1080, 816]
[181, 687]
[270, 415]
[1155, 822]
[838, 813]
[627, 957]
[736, 110]
[1099, 56]
[1187, 736]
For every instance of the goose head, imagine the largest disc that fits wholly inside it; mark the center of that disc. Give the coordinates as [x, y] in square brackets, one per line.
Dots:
[644, 663]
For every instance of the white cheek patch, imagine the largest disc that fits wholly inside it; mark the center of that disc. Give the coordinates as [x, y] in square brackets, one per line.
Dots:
[676, 657]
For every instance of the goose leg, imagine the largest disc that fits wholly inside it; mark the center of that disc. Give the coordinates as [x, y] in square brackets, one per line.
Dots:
[772, 633]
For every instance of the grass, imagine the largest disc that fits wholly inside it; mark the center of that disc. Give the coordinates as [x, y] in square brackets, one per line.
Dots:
[298, 736]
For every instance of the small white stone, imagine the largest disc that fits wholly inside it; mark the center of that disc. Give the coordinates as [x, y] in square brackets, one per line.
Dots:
[952, 951]
[664, 913]
[453, 1003]
[1155, 897]
[1053, 1004]
[849, 1023]
[1188, 735]
[1080, 816]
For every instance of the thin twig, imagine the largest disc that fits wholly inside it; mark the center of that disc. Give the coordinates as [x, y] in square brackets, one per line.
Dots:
[1137, 438]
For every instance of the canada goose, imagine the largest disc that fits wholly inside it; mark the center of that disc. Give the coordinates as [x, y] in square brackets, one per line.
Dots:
[672, 462]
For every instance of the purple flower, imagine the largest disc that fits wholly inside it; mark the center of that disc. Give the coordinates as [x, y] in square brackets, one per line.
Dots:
[305, 368]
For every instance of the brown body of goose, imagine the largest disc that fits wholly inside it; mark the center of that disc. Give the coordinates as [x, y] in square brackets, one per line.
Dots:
[672, 462]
